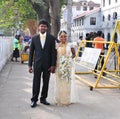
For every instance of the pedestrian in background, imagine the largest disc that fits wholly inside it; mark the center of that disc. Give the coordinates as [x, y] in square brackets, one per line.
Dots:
[79, 41]
[88, 44]
[99, 45]
[16, 47]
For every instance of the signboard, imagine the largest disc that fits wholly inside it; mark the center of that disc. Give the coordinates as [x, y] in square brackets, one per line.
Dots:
[90, 57]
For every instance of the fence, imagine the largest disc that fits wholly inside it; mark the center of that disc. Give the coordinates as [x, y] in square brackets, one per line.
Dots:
[6, 48]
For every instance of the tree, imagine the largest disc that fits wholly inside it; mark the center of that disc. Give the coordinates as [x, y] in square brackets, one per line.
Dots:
[31, 24]
[10, 18]
[41, 8]
[31, 9]
[50, 10]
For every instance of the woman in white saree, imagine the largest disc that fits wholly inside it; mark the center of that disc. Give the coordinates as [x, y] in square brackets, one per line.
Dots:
[65, 80]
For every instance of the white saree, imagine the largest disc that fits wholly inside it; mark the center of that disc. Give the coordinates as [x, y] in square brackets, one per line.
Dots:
[65, 90]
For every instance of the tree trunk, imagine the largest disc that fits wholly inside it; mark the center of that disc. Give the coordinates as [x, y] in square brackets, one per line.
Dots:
[42, 11]
[55, 16]
[51, 12]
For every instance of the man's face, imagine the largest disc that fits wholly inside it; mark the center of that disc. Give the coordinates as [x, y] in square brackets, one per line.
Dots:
[42, 28]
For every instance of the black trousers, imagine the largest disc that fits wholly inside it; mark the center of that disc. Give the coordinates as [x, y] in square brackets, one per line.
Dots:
[16, 53]
[44, 74]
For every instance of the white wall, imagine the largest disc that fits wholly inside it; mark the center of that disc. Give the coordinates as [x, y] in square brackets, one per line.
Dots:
[6, 49]
[112, 5]
[98, 21]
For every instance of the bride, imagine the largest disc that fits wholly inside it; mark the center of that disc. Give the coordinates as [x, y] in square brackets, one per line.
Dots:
[65, 80]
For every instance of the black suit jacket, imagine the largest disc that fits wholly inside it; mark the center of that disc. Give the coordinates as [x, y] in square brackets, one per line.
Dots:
[42, 56]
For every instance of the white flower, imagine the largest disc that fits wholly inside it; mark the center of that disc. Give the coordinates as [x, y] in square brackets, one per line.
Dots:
[65, 67]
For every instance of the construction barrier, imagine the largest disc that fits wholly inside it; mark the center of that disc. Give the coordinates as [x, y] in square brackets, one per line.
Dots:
[106, 76]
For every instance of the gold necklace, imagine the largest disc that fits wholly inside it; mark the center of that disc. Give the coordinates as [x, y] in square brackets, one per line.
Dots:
[63, 49]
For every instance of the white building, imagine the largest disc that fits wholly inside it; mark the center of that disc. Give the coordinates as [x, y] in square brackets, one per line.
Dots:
[77, 8]
[83, 6]
[102, 18]
[109, 14]
[85, 23]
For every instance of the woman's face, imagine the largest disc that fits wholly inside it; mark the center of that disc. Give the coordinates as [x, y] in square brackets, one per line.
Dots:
[63, 38]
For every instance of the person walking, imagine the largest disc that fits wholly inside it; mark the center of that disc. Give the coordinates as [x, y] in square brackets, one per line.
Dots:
[99, 45]
[43, 54]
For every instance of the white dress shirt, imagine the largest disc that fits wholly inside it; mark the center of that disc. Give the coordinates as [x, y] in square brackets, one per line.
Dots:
[43, 38]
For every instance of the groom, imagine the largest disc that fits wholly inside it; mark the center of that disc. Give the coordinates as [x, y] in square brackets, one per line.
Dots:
[43, 58]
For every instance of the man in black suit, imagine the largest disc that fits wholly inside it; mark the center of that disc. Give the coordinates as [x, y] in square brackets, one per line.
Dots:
[43, 57]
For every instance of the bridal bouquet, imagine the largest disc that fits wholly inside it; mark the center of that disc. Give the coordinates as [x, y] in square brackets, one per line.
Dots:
[65, 67]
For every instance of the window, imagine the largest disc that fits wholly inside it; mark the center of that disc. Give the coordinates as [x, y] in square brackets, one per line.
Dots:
[109, 17]
[84, 8]
[81, 33]
[109, 2]
[103, 3]
[78, 8]
[75, 23]
[91, 8]
[84, 3]
[115, 15]
[92, 21]
[82, 21]
[103, 19]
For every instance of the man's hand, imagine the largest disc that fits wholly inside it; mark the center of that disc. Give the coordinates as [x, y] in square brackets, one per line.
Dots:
[52, 69]
[30, 70]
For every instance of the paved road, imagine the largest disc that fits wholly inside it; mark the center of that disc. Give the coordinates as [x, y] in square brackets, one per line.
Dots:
[15, 94]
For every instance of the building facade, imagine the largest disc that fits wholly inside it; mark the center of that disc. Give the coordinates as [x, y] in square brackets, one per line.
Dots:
[77, 9]
[109, 14]
[91, 19]
[85, 23]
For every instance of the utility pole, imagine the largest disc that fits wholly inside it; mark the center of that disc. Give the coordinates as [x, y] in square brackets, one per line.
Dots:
[69, 19]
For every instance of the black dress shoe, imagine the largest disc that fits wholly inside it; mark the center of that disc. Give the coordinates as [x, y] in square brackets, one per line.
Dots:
[33, 104]
[45, 102]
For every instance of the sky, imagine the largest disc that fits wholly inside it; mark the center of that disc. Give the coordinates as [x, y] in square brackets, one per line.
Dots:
[96, 1]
